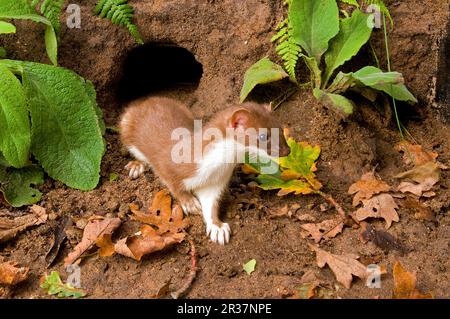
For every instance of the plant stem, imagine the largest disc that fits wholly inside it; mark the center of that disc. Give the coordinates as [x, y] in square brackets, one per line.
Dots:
[388, 58]
[374, 54]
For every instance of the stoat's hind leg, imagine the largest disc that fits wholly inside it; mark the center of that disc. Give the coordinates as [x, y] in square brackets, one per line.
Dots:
[136, 168]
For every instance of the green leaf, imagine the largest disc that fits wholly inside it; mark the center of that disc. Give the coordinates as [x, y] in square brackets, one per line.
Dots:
[260, 164]
[249, 267]
[296, 186]
[21, 9]
[351, 2]
[296, 171]
[14, 122]
[338, 102]
[314, 24]
[388, 82]
[6, 27]
[54, 286]
[90, 90]
[301, 162]
[2, 52]
[113, 177]
[353, 34]
[66, 132]
[313, 66]
[15, 184]
[342, 83]
[51, 44]
[262, 72]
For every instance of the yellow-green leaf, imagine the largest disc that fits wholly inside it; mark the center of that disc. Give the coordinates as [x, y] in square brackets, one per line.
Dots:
[249, 267]
[54, 286]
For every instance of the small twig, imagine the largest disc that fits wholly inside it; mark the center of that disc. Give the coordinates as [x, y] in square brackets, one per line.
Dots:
[333, 202]
[285, 96]
[192, 274]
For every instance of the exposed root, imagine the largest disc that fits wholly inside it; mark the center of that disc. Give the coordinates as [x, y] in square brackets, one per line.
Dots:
[192, 274]
[333, 202]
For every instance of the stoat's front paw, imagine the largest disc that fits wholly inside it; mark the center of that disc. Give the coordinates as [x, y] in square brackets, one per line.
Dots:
[135, 168]
[219, 234]
[191, 205]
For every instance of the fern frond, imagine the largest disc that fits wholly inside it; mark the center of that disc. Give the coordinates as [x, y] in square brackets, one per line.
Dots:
[287, 48]
[120, 13]
[383, 8]
[51, 9]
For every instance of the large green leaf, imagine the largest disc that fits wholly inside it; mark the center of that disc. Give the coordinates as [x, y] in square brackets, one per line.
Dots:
[262, 72]
[6, 27]
[339, 102]
[16, 185]
[21, 9]
[14, 120]
[388, 82]
[353, 34]
[66, 131]
[373, 78]
[314, 24]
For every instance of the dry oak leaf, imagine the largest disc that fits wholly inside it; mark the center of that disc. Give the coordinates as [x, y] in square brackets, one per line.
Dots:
[366, 187]
[327, 229]
[343, 266]
[170, 224]
[96, 228]
[405, 284]
[160, 214]
[10, 228]
[425, 175]
[380, 206]
[106, 245]
[11, 275]
[421, 211]
[414, 154]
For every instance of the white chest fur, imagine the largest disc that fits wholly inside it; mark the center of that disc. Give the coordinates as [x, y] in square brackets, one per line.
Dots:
[216, 166]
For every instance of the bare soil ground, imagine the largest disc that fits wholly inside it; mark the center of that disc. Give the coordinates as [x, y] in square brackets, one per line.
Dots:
[227, 37]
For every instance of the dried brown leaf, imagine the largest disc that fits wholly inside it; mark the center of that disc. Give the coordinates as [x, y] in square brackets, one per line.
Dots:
[425, 173]
[421, 211]
[137, 246]
[405, 284]
[343, 266]
[11, 275]
[106, 245]
[10, 228]
[164, 227]
[327, 229]
[380, 206]
[414, 154]
[95, 229]
[59, 236]
[366, 187]
[160, 214]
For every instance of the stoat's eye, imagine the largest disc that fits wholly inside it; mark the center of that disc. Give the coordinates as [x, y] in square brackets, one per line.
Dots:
[263, 137]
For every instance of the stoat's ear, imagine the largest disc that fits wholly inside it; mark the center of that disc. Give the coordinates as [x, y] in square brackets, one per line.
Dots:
[240, 118]
[268, 107]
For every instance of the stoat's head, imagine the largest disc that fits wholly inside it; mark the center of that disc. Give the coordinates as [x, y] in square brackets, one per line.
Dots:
[258, 129]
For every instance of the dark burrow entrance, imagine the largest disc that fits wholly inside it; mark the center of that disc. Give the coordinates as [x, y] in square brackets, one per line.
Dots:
[156, 67]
